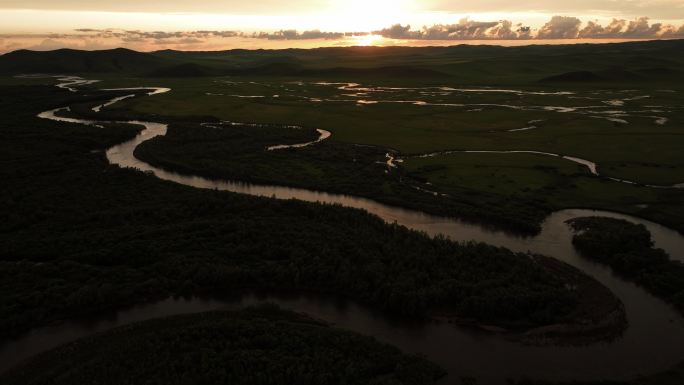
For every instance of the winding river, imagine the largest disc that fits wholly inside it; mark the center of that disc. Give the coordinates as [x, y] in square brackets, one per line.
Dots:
[653, 342]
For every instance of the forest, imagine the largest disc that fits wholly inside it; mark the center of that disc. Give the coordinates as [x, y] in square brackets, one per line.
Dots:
[628, 249]
[79, 236]
[255, 346]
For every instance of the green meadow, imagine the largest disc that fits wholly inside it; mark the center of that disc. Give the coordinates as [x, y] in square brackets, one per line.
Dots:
[617, 105]
[643, 143]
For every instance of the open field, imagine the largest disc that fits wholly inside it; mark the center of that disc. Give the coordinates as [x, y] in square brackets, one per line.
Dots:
[476, 120]
[550, 182]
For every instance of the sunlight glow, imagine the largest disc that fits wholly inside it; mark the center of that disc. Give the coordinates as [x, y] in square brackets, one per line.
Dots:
[353, 21]
[367, 15]
[367, 40]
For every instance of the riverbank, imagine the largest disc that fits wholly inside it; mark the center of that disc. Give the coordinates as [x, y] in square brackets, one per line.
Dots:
[240, 347]
[600, 316]
[629, 249]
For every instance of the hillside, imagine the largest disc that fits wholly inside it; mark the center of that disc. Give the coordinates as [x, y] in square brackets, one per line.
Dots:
[644, 61]
[75, 61]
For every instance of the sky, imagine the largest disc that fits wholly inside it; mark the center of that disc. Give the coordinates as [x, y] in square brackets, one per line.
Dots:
[224, 24]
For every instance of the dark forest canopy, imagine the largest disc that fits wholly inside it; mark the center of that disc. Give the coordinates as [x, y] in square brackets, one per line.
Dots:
[255, 346]
[628, 249]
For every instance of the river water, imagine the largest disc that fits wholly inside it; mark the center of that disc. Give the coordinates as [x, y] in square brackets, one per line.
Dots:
[654, 340]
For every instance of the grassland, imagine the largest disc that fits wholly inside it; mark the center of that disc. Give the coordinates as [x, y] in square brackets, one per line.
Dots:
[548, 182]
[647, 149]
[478, 125]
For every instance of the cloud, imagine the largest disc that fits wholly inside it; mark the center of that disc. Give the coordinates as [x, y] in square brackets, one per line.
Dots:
[505, 31]
[593, 30]
[292, 34]
[135, 35]
[671, 32]
[218, 33]
[465, 29]
[639, 28]
[187, 41]
[398, 31]
[560, 27]
[91, 39]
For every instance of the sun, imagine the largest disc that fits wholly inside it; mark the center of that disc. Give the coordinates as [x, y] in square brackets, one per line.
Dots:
[368, 15]
[366, 40]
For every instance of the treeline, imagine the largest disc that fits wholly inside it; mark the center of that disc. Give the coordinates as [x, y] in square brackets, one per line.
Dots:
[629, 250]
[78, 235]
[238, 153]
[255, 346]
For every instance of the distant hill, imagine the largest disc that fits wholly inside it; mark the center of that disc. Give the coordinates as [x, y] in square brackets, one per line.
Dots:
[642, 61]
[75, 61]
[187, 64]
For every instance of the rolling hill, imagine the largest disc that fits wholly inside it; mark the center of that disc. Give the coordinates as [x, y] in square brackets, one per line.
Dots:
[76, 61]
[651, 61]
